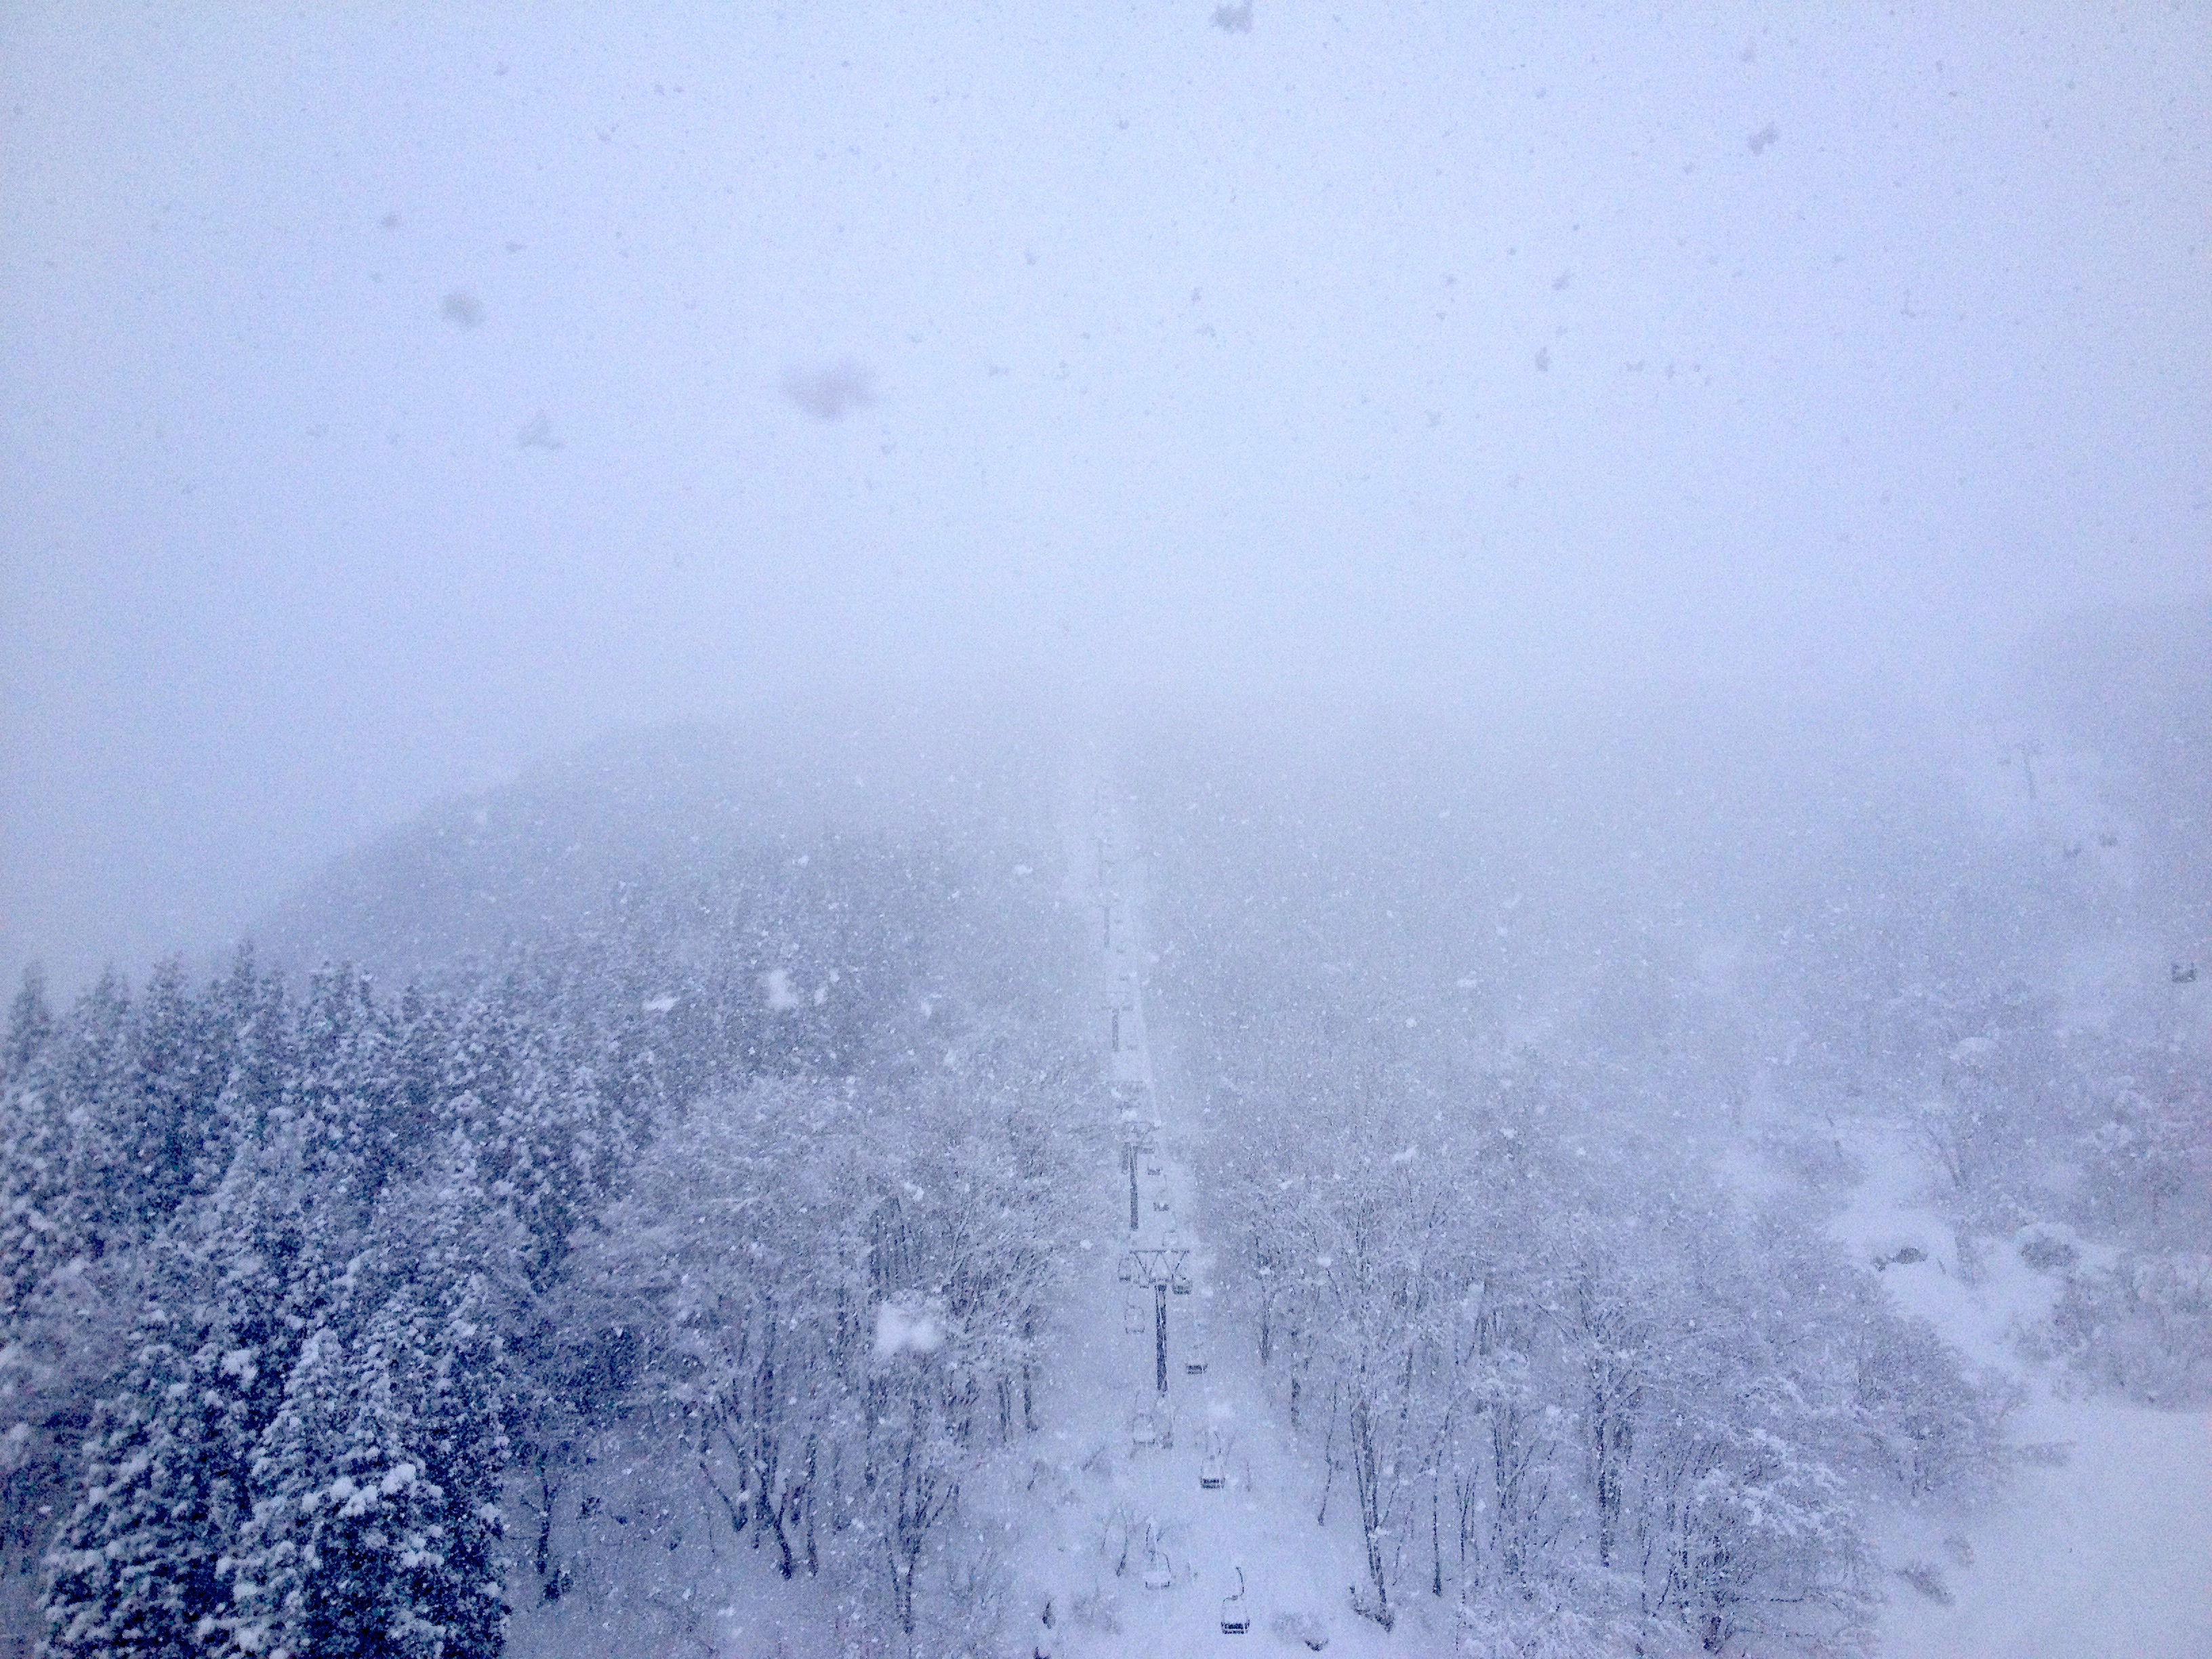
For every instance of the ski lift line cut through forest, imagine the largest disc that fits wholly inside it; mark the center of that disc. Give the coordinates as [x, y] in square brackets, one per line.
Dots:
[1163, 1268]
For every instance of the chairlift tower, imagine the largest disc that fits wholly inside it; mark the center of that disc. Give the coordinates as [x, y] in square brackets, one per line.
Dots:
[1114, 1010]
[1163, 1268]
[1136, 1145]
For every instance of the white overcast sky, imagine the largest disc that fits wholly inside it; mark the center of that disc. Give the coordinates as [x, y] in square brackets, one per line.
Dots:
[388, 394]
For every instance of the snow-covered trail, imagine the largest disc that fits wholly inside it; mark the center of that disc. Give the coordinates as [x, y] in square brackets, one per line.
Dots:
[1128, 1460]
[2104, 1545]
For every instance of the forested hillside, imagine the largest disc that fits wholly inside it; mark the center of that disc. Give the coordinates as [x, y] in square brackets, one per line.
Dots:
[655, 1204]
[1536, 1070]
[333, 1310]
[1073, 831]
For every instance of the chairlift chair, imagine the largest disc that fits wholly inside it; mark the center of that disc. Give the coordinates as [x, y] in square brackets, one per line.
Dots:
[1158, 1575]
[1213, 1468]
[1236, 1616]
[1145, 1423]
[1180, 1284]
[1136, 1313]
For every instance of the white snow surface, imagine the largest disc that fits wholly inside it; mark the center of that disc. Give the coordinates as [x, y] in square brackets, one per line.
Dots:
[2102, 1543]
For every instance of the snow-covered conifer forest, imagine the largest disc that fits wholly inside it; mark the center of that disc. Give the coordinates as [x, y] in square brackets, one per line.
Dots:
[1680, 1186]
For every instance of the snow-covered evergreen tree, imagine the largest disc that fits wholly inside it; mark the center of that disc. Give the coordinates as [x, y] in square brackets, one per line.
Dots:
[134, 1570]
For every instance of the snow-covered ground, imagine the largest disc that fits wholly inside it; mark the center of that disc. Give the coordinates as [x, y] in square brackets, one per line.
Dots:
[2102, 1544]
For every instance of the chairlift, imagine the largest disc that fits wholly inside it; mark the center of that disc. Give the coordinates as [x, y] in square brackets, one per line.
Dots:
[1162, 1206]
[1212, 1469]
[1144, 1426]
[1181, 1283]
[1158, 1575]
[1236, 1616]
[1136, 1313]
[1126, 1272]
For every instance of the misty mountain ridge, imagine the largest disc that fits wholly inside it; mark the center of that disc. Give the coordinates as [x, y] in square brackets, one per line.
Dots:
[567, 845]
